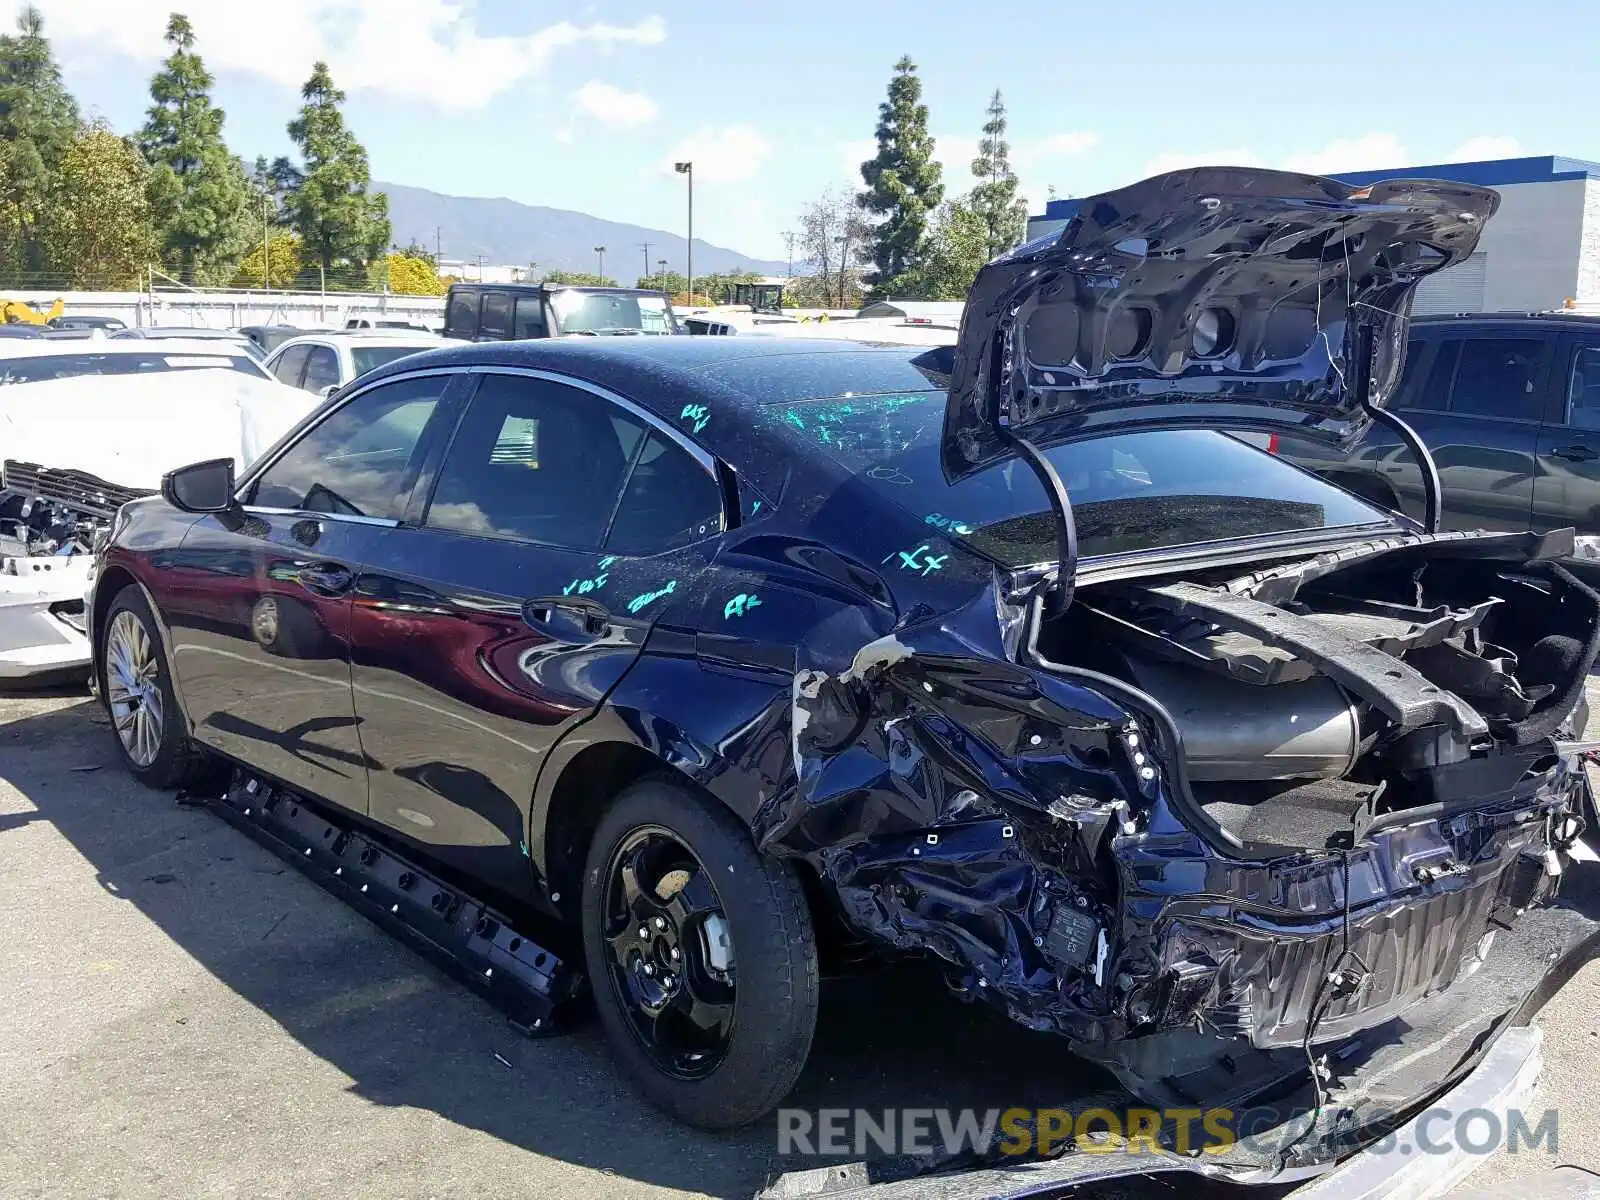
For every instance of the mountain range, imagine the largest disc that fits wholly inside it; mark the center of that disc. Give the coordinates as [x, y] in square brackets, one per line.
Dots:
[505, 232]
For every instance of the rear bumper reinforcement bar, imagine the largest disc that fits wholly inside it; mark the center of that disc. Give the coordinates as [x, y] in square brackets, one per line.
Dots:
[460, 934]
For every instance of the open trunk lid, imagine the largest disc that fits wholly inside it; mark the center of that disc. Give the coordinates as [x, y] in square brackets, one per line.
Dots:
[1221, 297]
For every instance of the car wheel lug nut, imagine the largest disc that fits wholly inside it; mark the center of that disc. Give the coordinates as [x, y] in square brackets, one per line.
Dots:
[649, 968]
[644, 933]
[674, 954]
[661, 923]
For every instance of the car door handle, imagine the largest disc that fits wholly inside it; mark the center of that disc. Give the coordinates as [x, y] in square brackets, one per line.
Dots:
[326, 578]
[567, 616]
[1574, 453]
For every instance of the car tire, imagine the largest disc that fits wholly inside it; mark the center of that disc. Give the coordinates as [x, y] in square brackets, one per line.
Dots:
[762, 911]
[154, 747]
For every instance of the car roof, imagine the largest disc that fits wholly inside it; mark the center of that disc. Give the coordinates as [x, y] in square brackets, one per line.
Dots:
[42, 346]
[1558, 319]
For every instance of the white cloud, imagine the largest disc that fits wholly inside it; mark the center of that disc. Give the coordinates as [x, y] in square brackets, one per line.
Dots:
[1368, 153]
[614, 107]
[1488, 146]
[731, 154]
[954, 153]
[1056, 145]
[427, 50]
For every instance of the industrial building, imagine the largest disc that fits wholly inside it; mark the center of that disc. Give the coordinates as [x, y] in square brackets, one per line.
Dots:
[1541, 251]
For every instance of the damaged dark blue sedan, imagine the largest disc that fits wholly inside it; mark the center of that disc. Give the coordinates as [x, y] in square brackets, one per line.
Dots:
[1007, 655]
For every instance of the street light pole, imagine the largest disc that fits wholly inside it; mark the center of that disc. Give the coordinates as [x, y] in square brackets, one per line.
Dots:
[687, 168]
[646, 246]
[600, 269]
[661, 264]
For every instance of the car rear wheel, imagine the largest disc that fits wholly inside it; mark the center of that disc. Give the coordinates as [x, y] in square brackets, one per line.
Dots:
[137, 686]
[702, 957]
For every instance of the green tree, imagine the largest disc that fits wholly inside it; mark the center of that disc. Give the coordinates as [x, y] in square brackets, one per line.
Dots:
[415, 249]
[200, 197]
[98, 232]
[903, 183]
[994, 199]
[580, 279]
[283, 249]
[326, 200]
[958, 248]
[38, 124]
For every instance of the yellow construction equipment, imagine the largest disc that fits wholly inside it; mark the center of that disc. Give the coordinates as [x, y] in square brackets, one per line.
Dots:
[18, 312]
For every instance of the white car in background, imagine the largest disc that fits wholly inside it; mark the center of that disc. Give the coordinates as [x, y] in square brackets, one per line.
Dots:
[321, 363]
[87, 425]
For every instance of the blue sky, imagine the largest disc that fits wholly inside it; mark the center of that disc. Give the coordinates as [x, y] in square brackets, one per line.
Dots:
[584, 106]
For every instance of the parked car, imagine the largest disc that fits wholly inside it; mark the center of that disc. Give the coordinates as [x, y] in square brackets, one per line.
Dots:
[192, 333]
[999, 654]
[86, 426]
[382, 323]
[324, 362]
[1509, 406]
[87, 321]
[499, 312]
[269, 337]
[46, 358]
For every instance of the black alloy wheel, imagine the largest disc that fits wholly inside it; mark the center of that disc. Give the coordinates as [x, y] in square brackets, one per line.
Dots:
[670, 953]
[702, 954]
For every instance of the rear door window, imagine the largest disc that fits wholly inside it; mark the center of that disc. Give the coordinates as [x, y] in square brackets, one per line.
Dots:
[322, 369]
[1430, 367]
[461, 315]
[291, 365]
[537, 461]
[1501, 377]
[1583, 389]
[670, 501]
[495, 321]
[530, 321]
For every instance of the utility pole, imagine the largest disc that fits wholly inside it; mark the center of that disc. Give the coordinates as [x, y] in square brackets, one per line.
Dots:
[480, 259]
[788, 239]
[687, 168]
[646, 246]
[600, 264]
[266, 245]
[438, 245]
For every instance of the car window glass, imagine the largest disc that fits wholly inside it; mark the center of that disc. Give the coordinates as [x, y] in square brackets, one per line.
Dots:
[536, 460]
[670, 501]
[1583, 389]
[291, 364]
[495, 321]
[322, 369]
[461, 317]
[1499, 377]
[530, 317]
[1419, 357]
[1435, 373]
[359, 460]
[370, 358]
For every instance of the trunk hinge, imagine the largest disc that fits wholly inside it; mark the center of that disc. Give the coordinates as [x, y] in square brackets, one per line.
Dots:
[1058, 595]
[1364, 351]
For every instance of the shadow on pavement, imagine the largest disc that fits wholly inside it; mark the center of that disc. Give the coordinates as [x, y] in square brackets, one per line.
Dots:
[409, 1036]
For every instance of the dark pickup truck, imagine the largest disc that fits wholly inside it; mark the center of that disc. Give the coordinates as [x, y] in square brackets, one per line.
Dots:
[1509, 404]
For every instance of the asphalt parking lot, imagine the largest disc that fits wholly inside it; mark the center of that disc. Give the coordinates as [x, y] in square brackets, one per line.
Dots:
[185, 1016]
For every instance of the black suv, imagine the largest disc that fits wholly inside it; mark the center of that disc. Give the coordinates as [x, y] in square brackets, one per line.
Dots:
[1509, 404]
[504, 312]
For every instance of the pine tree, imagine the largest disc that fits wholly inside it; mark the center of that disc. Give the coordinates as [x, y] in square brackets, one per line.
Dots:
[994, 199]
[199, 194]
[326, 200]
[38, 123]
[903, 184]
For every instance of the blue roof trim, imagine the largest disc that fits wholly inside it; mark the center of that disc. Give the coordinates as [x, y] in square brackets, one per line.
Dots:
[1497, 172]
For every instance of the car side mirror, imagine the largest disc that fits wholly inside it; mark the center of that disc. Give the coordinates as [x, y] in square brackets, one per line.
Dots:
[328, 391]
[203, 487]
